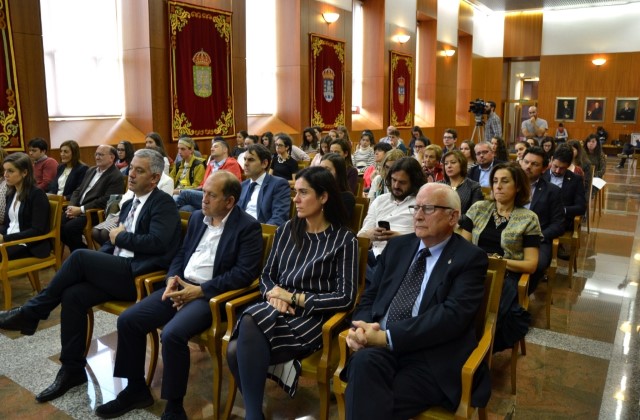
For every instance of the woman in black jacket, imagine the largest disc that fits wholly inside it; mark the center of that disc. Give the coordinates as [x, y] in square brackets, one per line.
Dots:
[71, 170]
[27, 210]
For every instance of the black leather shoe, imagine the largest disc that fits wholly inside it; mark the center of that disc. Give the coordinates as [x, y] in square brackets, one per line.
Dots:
[174, 415]
[16, 320]
[125, 402]
[65, 380]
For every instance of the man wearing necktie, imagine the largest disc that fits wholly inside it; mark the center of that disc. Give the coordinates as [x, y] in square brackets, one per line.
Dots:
[414, 327]
[145, 241]
[265, 197]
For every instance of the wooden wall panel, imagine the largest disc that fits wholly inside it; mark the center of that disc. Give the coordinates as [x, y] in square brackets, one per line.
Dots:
[523, 34]
[463, 95]
[375, 96]
[576, 76]
[426, 79]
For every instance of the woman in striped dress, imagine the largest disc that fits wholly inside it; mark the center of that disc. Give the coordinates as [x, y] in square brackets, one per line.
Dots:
[310, 274]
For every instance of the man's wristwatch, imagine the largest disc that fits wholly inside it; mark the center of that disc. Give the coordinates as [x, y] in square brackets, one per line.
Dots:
[294, 300]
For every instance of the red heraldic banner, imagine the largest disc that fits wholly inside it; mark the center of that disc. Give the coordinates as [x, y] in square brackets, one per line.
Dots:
[327, 82]
[10, 120]
[401, 87]
[201, 73]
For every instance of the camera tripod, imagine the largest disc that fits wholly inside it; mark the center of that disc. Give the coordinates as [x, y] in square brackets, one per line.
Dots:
[478, 129]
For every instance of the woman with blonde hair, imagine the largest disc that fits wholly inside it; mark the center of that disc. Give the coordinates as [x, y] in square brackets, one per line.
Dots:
[431, 165]
[378, 186]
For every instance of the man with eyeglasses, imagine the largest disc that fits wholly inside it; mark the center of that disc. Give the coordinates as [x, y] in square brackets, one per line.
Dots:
[403, 180]
[546, 202]
[534, 127]
[449, 139]
[485, 158]
[97, 186]
[414, 327]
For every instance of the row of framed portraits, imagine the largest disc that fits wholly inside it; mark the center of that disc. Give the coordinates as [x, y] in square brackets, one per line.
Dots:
[624, 112]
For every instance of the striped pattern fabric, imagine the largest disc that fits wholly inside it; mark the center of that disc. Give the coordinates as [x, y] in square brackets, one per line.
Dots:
[325, 269]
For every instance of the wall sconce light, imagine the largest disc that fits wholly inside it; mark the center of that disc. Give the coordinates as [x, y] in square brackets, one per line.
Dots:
[330, 17]
[599, 61]
[402, 38]
[449, 52]
[520, 75]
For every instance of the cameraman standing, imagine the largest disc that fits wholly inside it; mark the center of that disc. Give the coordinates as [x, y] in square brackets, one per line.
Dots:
[534, 127]
[493, 126]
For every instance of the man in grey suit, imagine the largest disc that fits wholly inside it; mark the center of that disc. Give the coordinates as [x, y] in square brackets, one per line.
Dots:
[99, 183]
[413, 329]
[267, 198]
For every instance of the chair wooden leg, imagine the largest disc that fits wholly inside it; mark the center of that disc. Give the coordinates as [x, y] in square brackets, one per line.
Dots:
[514, 365]
[89, 331]
[216, 357]
[523, 347]
[340, 401]
[34, 278]
[323, 390]
[482, 413]
[231, 398]
[153, 357]
[548, 300]
[6, 287]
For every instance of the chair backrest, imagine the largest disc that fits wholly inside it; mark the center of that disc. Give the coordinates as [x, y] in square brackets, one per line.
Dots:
[356, 218]
[365, 203]
[268, 235]
[492, 291]
[184, 222]
[486, 192]
[360, 188]
[55, 222]
[363, 255]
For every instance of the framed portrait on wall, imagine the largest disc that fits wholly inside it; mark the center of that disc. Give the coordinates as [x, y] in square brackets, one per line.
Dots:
[594, 109]
[626, 110]
[566, 108]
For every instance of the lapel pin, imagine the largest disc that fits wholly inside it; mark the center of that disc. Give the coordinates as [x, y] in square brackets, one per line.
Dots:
[449, 262]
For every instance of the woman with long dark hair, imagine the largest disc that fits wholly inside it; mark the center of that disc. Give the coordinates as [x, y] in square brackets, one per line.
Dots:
[334, 163]
[343, 148]
[154, 138]
[504, 228]
[27, 209]
[311, 273]
[71, 170]
[309, 140]
[125, 154]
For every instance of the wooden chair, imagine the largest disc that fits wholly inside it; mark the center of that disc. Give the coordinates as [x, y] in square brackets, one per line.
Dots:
[523, 300]
[94, 217]
[551, 278]
[589, 199]
[32, 265]
[356, 218]
[321, 364]
[360, 189]
[211, 339]
[485, 330]
[117, 307]
[486, 192]
[365, 205]
[572, 239]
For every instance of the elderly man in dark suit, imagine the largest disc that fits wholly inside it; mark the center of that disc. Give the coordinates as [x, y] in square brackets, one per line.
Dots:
[99, 183]
[145, 241]
[221, 252]
[546, 202]
[267, 198]
[413, 329]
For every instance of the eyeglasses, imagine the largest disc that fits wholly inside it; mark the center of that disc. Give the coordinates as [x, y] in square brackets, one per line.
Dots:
[427, 208]
[279, 145]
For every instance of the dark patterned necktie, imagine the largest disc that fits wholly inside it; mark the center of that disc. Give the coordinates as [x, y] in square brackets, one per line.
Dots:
[247, 197]
[405, 298]
[128, 223]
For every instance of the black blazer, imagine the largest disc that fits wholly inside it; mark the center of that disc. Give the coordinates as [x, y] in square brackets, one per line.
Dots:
[238, 259]
[547, 204]
[73, 180]
[572, 194]
[443, 333]
[33, 217]
[157, 235]
[109, 183]
[474, 171]
[274, 200]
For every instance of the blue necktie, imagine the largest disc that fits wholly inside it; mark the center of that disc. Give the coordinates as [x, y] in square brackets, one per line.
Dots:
[247, 197]
[128, 223]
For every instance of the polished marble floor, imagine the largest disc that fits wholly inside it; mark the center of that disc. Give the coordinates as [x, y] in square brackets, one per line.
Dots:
[586, 367]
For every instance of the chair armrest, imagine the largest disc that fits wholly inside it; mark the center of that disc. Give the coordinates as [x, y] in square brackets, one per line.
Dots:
[523, 287]
[231, 308]
[151, 279]
[472, 364]
[4, 245]
[577, 221]
[140, 280]
[554, 253]
[345, 352]
[216, 302]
